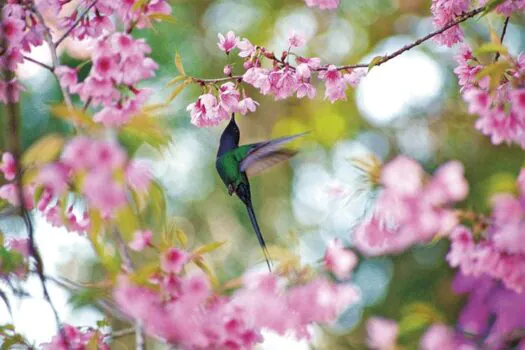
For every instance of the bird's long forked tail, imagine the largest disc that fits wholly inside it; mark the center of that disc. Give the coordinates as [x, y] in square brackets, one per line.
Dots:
[260, 237]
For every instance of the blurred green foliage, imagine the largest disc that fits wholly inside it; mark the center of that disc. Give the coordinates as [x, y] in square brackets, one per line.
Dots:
[214, 216]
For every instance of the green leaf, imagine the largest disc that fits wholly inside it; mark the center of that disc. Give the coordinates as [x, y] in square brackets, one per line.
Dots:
[43, 151]
[140, 3]
[178, 64]
[157, 205]
[375, 61]
[208, 271]
[144, 128]
[495, 71]
[208, 248]
[163, 17]
[142, 275]
[491, 48]
[176, 80]
[491, 5]
[177, 91]
[181, 237]
[127, 222]
[74, 115]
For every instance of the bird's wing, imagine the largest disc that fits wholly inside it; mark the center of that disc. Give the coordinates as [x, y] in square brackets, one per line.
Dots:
[261, 156]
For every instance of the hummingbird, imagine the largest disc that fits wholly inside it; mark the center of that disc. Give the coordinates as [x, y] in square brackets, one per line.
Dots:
[235, 164]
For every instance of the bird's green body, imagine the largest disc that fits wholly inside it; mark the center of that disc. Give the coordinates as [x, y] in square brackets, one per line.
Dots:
[236, 163]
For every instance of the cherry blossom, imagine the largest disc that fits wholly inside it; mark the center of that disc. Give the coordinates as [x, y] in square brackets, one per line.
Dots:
[445, 11]
[381, 333]
[228, 42]
[75, 338]
[141, 240]
[338, 260]
[409, 211]
[8, 166]
[323, 4]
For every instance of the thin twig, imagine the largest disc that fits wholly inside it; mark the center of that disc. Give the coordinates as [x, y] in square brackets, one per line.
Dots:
[54, 56]
[502, 36]
[75, 24]
[140, 339]
[384, 59]
[43, 65]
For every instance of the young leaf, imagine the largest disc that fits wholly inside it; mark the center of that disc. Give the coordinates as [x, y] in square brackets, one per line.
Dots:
[375, 61]
[178, 64]
[208, 271]
[177, 91]
[163, 17]
[491, 48]
[43, 151]
[176, 80]
[208, 248]
[140, 3]
[74, 115]
[181, 237]
[127, 222]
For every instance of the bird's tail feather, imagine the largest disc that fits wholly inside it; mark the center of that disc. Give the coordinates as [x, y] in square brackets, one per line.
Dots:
[260, 237]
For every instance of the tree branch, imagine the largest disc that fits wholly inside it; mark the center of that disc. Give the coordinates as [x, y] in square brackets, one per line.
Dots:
[386, 58]
[75, 24]
[54, 55]
[43, 65]
[504, 31]
[13, 145]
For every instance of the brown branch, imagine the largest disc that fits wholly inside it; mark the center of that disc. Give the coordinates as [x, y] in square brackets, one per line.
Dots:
[386, 58]
[502, 37]
[13, 145]
[41, 64]
[75, 24]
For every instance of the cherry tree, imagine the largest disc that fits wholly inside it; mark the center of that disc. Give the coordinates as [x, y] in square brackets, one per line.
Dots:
[89, 181]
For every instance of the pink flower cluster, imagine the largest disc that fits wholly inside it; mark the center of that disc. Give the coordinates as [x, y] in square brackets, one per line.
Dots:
[18, 246]
[501, 112]
[21, 30]
[501, 252]
[75, 338]
[186, 312]
[323, 4]
[98, 21]
[381, 333]
[444, 12]
[410, 210]
[119, 63]
[493, 314]
[338, 260]
[507, 7]
[96, 167]
[282, 81]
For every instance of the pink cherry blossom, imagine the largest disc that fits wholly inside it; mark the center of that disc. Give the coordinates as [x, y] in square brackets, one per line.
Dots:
[409, 211]
[338, 260]
[227, 43]
[173, 260]
[75, 339]
[8, 166]
[247, 105]
[138, 176]
[445, 11]
[54, 177]
[141, 240]
[246, 49]
[207, 111]
[439, 337]
[323, 4]
[381, 333]
[108, 200]
[296, 40]
[67, 77]
[10, 91]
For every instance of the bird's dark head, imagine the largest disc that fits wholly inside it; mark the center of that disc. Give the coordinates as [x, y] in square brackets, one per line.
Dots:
[229, 138]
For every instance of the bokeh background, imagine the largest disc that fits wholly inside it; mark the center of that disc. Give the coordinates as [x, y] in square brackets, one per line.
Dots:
[409, 105]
